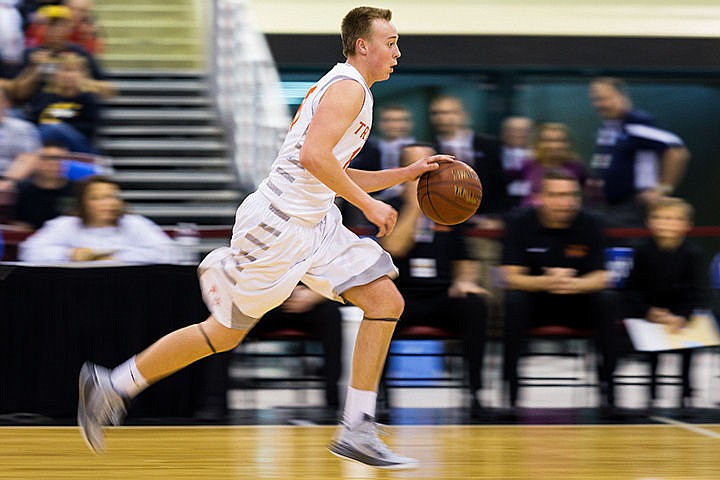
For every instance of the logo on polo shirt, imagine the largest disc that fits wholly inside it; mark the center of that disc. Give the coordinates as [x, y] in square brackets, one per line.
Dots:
[576, 251]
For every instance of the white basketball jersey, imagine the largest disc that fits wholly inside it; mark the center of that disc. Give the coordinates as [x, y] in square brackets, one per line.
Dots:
[292, 188]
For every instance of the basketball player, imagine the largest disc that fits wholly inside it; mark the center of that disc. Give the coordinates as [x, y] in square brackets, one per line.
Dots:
[289, 231]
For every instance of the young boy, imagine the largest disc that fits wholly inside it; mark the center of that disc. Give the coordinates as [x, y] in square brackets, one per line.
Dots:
[667, 280]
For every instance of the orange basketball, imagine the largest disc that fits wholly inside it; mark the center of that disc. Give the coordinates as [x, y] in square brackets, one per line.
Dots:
[451, 194]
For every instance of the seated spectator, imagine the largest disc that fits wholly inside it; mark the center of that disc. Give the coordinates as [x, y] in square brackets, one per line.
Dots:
[49, 191]
[438, 277]
[553, 271]
[84, 28]
[553, 150]
[41, 61]
[66, 112]
[18, 139]
[667, 280]
[28, 8]
[100, 230]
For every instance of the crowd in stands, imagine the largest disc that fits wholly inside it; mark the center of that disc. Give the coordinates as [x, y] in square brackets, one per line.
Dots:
[50, 85]
[552, 205]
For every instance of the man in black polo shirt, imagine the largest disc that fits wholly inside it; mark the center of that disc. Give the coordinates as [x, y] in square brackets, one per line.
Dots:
[554, 273]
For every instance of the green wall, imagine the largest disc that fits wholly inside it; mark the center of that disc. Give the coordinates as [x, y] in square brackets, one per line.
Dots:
[688, 107]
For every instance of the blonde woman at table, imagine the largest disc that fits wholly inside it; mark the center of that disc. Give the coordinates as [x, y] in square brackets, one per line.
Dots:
[100, 230]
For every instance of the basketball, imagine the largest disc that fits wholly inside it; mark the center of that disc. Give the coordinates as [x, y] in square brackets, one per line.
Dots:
[451, 194]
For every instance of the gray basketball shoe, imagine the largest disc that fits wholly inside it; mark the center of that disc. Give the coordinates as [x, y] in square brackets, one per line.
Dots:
[99, 405]
[363, 445]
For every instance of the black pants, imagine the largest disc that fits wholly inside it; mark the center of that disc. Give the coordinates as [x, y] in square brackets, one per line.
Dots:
[686, 356]
[597, 311]
[466, 316]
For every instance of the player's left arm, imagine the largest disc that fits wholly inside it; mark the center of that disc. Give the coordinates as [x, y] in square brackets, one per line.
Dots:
[373, 181]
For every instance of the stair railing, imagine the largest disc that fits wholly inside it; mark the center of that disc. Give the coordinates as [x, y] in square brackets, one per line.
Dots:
[247, 90]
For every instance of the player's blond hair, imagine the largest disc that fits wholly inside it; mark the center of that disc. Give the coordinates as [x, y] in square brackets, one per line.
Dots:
[358, 24]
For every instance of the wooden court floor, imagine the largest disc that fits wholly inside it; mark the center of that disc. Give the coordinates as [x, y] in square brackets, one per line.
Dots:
[637, 452]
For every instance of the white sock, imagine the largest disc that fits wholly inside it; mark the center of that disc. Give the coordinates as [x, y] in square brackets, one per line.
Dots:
[127, 380]
[357, 404]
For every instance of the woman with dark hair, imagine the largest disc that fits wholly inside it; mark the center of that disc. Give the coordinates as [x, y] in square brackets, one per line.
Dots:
[100, 230]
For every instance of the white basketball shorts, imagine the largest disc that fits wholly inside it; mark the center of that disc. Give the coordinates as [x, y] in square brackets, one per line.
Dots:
[271, 252]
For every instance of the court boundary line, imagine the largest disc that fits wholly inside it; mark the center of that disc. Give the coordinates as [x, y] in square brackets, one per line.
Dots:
[687, 426]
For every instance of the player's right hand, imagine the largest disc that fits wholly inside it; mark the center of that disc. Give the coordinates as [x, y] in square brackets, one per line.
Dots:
[382, 216]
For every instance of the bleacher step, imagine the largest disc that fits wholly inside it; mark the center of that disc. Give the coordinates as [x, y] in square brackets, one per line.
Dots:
[140, 74]
[170, 162]
[164, 86]
[162, 130]
[165, 101]
[154, 177]
[160, 114]
[167, 60]
[184, 210]
[182, 195]
[169, 144]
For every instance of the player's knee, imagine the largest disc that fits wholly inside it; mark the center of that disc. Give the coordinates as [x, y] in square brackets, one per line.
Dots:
[229, 340]
[400, 306]
[219, 337]
[379, 300]
[395, 306]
